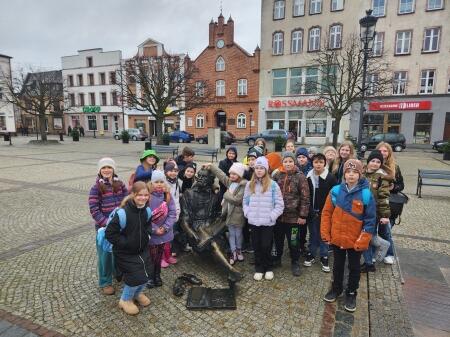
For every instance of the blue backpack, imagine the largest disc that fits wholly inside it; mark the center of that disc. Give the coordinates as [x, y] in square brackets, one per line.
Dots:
[101, 239]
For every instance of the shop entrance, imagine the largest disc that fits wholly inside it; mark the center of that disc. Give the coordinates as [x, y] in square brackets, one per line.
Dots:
[221, 120]
[296, 128]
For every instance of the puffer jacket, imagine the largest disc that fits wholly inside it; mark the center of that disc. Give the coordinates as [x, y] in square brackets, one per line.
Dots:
[379, 183]
[295, 190]
[263, 208]
[347, 213]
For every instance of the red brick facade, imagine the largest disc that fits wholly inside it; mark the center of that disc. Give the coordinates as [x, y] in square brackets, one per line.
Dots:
[223, 111]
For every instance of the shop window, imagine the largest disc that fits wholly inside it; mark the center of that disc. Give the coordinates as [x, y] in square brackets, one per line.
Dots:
[241, 121]
[75, 121]
[422, 128]
[316, 124]
[92, 123]
[373, 124]
[279, 77]
[105, 123]
[2, 123]
[140, 124]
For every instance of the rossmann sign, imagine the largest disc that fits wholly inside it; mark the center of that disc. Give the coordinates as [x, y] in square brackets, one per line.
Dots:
[412, 105]
[299, 103]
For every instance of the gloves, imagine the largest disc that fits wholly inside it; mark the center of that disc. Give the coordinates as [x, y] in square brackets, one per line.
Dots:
[362, 243]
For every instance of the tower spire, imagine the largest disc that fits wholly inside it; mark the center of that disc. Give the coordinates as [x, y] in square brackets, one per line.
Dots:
[221, 7]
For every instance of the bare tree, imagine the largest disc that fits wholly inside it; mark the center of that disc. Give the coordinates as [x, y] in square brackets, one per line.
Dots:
[162, 85]
[340, 79]
[38, 93]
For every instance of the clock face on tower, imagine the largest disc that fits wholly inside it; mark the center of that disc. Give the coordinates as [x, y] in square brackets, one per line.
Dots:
[220, 43]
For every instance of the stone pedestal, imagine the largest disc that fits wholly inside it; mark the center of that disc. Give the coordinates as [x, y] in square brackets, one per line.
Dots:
[214, 138]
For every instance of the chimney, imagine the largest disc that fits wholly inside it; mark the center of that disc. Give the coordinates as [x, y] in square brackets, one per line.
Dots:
[229, 39]
[212, 34]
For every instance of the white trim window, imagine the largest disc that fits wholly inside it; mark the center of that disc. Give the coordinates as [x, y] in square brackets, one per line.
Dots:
[199, 121]
[199, 89]
[315, 6]
[434, 4]
[242, 87]
[431, 39]
[335, 37]
[400, 81]
[427, 81]
[220, 64]
[92, 122]
[241, 120]
[314, 39]
[406, 6]
[403, 42]
[378, 44]
[298, 8]
[337, 5]
[277, 43]
[379, 8]
[296, 41]
[220, 88]
[279, 9]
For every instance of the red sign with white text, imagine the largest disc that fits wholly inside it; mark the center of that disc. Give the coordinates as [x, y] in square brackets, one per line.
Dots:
[283, 103]
[411, 105]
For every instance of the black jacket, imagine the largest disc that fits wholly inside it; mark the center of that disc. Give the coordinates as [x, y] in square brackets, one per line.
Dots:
[130, 245]
[225, 165]
[318, 194]
[399, 185]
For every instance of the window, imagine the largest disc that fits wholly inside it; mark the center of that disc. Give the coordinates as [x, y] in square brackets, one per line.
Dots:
[91, 79]
[298, 8]
[431, 40]
[372, 81]
[2, 123]
[80, 79]
[448, 86]
[114, 98]
[296, 41]
[427, 81]
[405, 6]
[434, 4]
[278, 9]
[92, 122]
[337, 5]
[315, 6]
[314, 39]
[422, 127]
[102, 78]
[105, 123]
[279, 77]
[316, 124]
[242, 87]
[295, 81]
[379, 8]
[103, 98]
[70, 80]
[220, 88]
[403, 43]
[199, 121]
[92, 98]
[89, 61]
[335, 37]
[81, 99]
[399, 85]
[112, 77]
[311, 80]
[72, 100]
[241, 121]
[199, 89]
[277, 43]
[220, 64]
[378, 44]
[75, 121]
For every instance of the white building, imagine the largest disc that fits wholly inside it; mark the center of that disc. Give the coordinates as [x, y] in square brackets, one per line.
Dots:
[7, 123]
[90, 81]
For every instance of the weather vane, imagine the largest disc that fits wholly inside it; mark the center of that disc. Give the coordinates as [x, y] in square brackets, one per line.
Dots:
[221, 6]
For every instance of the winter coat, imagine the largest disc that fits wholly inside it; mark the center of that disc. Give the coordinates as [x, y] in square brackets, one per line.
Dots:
[130, 245]
[187, 183]
[318, 194]
[248, 174]
[305, 168]
[142, 174]
[232, 209]
[379, 185]
[167, 222]
[225, 165]
[181, 163]
[263, 208]
[347, 213]
[175, 192]
[295, 190]
[101, 205]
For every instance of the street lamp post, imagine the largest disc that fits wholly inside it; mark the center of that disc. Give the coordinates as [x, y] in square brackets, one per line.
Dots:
[367, 36]
[250, 114]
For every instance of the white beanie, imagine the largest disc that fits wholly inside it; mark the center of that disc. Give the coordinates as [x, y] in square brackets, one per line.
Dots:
[158, 175]
[106, 162]
[237, 168]
[262, 161]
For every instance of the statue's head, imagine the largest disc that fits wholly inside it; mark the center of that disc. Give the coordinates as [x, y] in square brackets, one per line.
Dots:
[204, 179]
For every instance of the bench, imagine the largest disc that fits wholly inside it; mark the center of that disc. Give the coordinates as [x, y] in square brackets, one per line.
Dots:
[207, 152]
[166, 149]
[430, 176]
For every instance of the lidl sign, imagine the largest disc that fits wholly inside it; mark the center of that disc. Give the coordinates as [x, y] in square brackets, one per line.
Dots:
[91, 108]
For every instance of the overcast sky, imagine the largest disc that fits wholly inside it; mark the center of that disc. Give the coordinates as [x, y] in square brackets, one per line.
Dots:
[38, 33]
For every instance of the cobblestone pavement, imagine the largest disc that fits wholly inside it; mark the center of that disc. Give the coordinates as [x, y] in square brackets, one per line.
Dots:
[48, 261]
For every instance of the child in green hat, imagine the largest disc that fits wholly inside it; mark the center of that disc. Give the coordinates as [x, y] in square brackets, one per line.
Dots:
[149, 162]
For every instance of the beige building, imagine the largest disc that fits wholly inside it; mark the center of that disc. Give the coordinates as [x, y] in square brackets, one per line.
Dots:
[412, 35]
[7, 123]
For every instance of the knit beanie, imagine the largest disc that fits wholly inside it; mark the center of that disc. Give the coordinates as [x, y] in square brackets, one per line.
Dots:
[312, 150]
[238, 168]
[158, 175]
[288, 154]
[301, 151]
[255, 151]
[375, 154]
[353, 164]
[106, 162]
[169, 166]
[262, 161]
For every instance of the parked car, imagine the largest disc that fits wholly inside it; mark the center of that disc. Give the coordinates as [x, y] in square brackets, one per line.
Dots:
[135, 134]
[396, 140]
[178, 136]
[228, 137]
[269, 135]
[439, 145]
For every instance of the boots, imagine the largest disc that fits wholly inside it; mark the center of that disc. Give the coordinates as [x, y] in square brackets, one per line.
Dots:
[128, 307]
[157, 280]
[167, 256]
[108, 290]
[143, 300]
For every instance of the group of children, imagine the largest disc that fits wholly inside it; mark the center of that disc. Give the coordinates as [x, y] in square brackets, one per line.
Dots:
[330, 194]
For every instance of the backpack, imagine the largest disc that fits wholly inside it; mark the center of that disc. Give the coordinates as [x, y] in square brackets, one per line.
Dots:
[101, 238]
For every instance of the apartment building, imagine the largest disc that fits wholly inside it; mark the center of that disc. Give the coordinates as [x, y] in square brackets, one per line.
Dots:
[412, 35]
[7, 123]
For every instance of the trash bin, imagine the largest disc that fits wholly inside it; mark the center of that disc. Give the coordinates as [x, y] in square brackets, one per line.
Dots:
[148, 145]
[6, 137]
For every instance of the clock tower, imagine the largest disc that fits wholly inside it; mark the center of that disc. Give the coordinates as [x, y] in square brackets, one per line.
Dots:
[220, 33]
